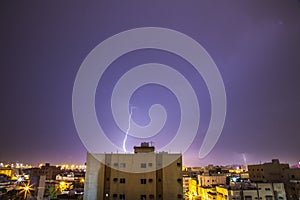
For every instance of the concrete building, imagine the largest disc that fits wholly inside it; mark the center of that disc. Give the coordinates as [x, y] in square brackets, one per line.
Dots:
[277, 172]
[185, 184]
[268, 172]
[142, 175]
[211, 180]
[247, 191]
[193, 190]
[207, 193]
[49, 171]
[292, 183]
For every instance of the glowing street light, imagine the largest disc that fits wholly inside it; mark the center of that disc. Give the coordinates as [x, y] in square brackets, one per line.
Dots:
[26, 189]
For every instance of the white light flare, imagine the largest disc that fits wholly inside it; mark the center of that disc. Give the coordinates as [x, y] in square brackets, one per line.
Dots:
[128, 129]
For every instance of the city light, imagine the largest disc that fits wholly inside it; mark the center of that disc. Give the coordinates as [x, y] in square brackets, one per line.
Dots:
[26, 189]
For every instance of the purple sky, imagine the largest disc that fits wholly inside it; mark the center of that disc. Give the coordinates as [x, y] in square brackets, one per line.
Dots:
[254, 43]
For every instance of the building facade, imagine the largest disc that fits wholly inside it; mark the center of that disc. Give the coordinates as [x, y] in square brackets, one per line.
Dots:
[277, 172]
[142, 175]
[262, 191]
[268, 172]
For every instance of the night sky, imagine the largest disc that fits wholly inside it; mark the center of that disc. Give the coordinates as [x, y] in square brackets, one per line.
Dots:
[254, 43]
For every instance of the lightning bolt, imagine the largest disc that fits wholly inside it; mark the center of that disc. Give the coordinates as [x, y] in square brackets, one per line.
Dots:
[128, 129]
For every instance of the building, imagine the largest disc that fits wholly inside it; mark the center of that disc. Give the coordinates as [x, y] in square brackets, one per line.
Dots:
[46, 170]
[193, 190]
[251, 191]
[186, 180]
[268, 172]
[211, 180]
[142, 175]
[292, 182]
[207, 193]
[277, 172]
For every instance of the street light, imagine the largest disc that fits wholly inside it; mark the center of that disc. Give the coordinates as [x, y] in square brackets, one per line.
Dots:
[26, 189]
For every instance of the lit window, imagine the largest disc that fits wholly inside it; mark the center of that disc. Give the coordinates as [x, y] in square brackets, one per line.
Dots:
[143, 165]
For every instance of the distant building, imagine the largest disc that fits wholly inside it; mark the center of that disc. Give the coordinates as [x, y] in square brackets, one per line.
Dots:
[116, 179]
[46, 170]
[292, 181]
[268, 172]
[185, 183]
[193, 189]
[211, 180]
[277, 172]
[247, 191]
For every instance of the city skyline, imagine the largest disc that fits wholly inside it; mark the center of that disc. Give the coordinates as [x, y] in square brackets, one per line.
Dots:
[254, 44]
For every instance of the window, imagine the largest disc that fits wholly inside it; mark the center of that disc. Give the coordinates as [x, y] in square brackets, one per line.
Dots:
[122, 180]
[149, 164]
[150, 180]
[107, 179]
[179, 196]
[115, 195]
[151, 196]
[293, 176]
[267, 189]
[159, 180]
[115, 179]
[248, 197]
[268, 197]
[143, 165]
[122, 196]
[143, 197]
[116, 164]
[122, 165]
[179, 180]
[179, 164]
[143, 181]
